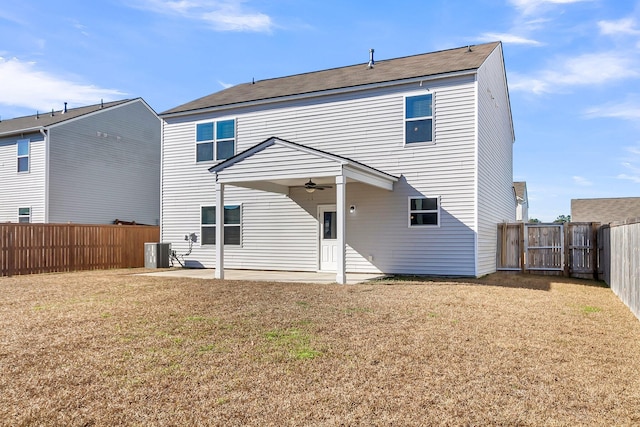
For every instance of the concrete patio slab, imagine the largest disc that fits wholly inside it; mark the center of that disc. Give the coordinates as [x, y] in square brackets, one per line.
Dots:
[265, 276]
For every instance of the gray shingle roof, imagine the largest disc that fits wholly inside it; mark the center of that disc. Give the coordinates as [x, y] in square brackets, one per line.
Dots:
[44, 119]
[424, 65]
[605, 210]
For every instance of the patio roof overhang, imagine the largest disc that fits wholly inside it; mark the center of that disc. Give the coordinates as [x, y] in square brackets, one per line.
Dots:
[276, 165]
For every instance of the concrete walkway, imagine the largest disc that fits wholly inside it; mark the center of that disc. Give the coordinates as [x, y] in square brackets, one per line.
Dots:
[265, 276]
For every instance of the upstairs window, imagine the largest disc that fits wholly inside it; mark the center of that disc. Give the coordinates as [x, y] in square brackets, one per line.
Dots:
[24, 215]
[424, 211]
[232, 225]
[23, 155]
[418, 117]
[215, 140]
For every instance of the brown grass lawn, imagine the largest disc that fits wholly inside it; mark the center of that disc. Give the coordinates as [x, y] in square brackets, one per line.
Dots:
[113, 348]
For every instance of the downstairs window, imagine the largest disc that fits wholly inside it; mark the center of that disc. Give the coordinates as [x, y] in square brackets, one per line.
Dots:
[232, 225]
[424, 211]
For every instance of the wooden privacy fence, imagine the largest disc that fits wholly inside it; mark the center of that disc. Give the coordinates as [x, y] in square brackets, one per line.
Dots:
[46, 248]
[619, 245]
[563, 249]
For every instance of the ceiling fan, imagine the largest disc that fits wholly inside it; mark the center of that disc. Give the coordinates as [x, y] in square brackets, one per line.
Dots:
[311, 186]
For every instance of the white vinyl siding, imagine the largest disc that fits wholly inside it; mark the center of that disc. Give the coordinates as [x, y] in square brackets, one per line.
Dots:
[106, 166]
[496, 200]
[281, 232]
[22, 189]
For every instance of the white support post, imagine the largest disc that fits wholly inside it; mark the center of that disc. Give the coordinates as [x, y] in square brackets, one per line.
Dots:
[219, 274]
[341, 214]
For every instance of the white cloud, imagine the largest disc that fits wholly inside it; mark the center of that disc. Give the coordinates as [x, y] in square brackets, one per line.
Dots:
[627, 110]
[23, 85]
[225, 85]
[530, 6]
[587, 69]
[582, 181]
[508, 38]
[222, 15]
[621, 26]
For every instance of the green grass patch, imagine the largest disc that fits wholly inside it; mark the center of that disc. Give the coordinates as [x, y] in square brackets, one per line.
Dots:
[590, 309]
[295, 342]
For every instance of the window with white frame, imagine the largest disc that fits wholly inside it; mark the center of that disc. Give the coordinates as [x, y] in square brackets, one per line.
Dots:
[215, 140]
[24, 215]
[23, 155]
[424, 211]
[232, 225]
[418, 119]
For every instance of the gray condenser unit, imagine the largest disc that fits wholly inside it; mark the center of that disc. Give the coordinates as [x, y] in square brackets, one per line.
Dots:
[156, 255]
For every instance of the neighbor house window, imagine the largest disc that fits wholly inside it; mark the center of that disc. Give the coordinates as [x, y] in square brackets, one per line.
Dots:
[232, 224]
[215, 140]
[24, 215]
[424, 211]
[418, 117]
[23, 155]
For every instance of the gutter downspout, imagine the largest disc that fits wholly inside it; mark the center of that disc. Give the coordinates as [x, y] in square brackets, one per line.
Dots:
[45, 134]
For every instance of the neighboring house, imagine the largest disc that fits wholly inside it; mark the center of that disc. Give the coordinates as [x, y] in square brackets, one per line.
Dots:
[87, 165]
[605, 210]
[399, 166]
[522, 201]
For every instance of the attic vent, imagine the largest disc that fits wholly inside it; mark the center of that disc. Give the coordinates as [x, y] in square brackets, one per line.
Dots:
[65, 108]
[371, 61]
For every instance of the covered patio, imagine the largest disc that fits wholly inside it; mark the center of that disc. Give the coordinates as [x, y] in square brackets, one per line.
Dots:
[276, 165]
[266, 276]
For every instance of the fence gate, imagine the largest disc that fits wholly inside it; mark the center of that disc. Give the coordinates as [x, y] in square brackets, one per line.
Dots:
[544, 247]
[569, 249]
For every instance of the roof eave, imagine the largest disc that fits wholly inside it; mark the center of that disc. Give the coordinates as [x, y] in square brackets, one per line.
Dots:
[25, 130]
[327, 92]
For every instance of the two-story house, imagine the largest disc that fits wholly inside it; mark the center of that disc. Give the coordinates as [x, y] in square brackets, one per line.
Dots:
[394, 166]
[86, 165]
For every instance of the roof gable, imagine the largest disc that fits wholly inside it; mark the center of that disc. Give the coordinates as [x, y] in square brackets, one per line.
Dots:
[398, 69]
[43, 120]
[276, 159]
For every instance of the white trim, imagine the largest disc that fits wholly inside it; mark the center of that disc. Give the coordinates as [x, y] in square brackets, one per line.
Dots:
[45, 135]
[409, 211]
[341, 226]
[219, 273]
[346, 167]
[201, 240]
[28, 155]
[476, 174]
[404, 119]
[30, 216]
[319, 230]
[215, 141]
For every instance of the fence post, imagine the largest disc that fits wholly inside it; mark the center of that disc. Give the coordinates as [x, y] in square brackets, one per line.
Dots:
[568, 244]
[521, 233]
[594, 249]
[12, 255]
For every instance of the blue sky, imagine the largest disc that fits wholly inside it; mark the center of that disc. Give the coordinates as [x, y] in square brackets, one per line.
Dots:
[573, 66]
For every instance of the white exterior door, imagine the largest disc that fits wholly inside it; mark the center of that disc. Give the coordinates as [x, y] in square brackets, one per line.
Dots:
[328, 238]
